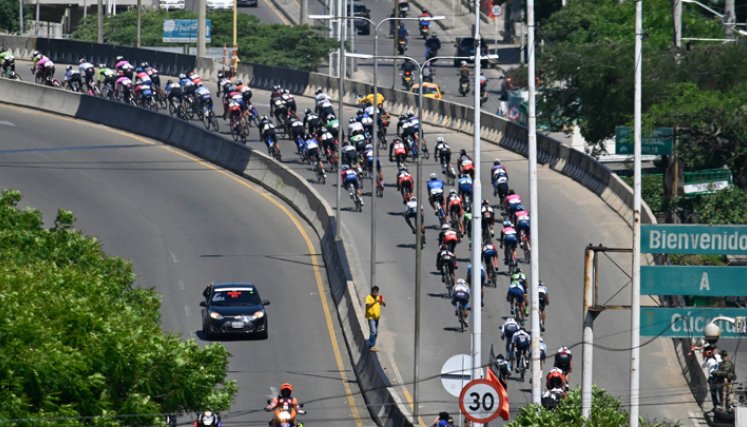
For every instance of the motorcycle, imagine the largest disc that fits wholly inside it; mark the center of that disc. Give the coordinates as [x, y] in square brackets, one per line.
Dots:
[404, 7]
[424, 28]
[402, 45]
[285, 416]
[464, 86]
[407, 80]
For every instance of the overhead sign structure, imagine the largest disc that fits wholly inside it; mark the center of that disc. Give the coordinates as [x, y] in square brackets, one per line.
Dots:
[480, 401]
[184, 30]
[687, 322]
[660, 143]
[693, 280]
[456, 372]
[694, 239]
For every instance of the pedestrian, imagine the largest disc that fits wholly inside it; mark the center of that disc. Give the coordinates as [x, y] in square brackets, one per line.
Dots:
[727, 375]
[711, 361]
[374, 302]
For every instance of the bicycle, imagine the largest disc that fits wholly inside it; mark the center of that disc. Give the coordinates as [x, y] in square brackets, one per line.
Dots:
[209, 120]
[272, 147]
[356, 198]
[238, 128]
[512, 260]
[492, 272]
[516, 310]
[525, 246]
[447, 276]
[521, 364]
[460, 314]
[321, 175]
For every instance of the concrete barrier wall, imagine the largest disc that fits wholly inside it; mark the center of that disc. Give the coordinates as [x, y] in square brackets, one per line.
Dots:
[384, 407]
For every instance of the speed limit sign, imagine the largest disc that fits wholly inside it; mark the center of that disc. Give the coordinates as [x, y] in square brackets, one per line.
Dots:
[480, 401]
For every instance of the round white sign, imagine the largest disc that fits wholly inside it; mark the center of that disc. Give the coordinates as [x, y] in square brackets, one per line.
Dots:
[479, 401]
[497, 10]
[456, 372]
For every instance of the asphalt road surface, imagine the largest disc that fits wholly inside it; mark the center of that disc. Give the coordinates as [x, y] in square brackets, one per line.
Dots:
[184, 223]
[570, 217]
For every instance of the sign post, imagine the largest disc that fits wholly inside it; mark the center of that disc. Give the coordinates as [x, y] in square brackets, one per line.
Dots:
[660, 143]
[480, 401]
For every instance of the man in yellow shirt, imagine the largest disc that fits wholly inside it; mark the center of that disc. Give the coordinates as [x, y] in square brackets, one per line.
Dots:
[374, 302]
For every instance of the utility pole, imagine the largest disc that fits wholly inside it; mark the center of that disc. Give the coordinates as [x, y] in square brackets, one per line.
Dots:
[588, 335]
[635, 311]
[36, 28]
[396, 42]
[100, 23]
[677, 20]
[730, 17]
[304, 12]
[201, 27]
[137, 36]
[20, 17]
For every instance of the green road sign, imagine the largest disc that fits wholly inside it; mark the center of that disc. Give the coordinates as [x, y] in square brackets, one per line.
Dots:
[707, 181]
[686, 322]
[693, 280]
[660, 143]
[694, 239]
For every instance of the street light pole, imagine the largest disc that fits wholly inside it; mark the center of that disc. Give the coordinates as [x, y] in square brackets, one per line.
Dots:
[341, 104]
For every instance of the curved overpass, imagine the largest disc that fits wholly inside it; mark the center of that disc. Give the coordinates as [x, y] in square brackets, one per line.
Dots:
[184, 223]
[570, 217]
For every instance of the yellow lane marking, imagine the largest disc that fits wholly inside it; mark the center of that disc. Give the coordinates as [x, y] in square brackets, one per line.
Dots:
[270, 198]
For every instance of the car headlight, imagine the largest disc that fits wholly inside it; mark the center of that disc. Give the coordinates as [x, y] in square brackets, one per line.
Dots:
[258, 315]
[215, 315]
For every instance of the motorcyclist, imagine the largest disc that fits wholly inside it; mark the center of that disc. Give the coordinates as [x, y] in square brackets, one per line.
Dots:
[408, 68]
[432, 46]
[402, 32]
[207, 419]
[285, 398]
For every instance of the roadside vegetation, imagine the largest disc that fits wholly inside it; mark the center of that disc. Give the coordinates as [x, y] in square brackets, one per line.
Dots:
[297, 47]
[79, 344]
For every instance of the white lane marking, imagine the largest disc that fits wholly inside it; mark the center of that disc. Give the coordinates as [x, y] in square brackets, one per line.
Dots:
[181, 285]
[186, 310]
[173, 257]
[7, 123]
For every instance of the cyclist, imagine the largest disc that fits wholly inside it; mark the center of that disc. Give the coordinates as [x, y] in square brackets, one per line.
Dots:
[448, 237]
[556, 380]
[72, 75]
[404, 184]
[455, 208]
[399, 149]
[443, 420]
[522, 223]
[312, 122]
[564, 362]
[298, 132]
[443, 154]
[436, 194]
[466, 166]
[349, 154]
[369, 154]
[332, 125]
[504, 369]
[208, 419]
[509, 203]
[544, 301]
[460, 295]
[518, 275]
[7, 60]
[355, 127]
[411, 209]
[350, 180]
[204, 99]
[508, 242]
[483, 279]
[490, 255]
[173, 92]
[313, 154]
[508, 329]
[516, 291]
[488, 220]
[445, 256]
[499, 178]
[465, 189]
[87, 71]
[520, 343]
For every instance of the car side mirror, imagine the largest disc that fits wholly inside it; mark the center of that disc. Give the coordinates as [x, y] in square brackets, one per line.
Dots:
[203, 303]
[266, 302]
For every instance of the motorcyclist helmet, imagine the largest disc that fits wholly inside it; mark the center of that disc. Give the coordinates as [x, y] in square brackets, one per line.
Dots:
[440, 139]
[286, 389]
[434, 176]
[119, 58]
[497, 162]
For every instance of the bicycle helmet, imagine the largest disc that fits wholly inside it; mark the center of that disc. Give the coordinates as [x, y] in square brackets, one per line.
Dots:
[352, 120]
[445, 227]
[69, 67]
[413, 199]
[563, 349]
[145, 64]
[319, 92]
[239, 83]
[119, 58]
[169, 82]
[331, 117]
[463, 152]
[461, 281]
[182, 76]
[500, 356]
[345, 167]
[199, 84]
[80, 61]
[497, 162]
[403, 169]
[35, 53]
[434, 176]
[360, 112]
[440, 139]
[410, 114]
[102, 65]
[507, 223]
[452, 191]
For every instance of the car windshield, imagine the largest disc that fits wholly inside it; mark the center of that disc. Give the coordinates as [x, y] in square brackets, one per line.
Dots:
[235, 296]
[430, 90]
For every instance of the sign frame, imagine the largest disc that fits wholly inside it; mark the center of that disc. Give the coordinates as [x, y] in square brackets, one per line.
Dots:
[481, 383]
[695, 280]
[687, 322]
[659, 143]
[687, 238]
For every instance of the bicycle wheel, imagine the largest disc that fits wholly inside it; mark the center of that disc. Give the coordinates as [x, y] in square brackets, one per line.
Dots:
[206, 120]
[460, 313]
[173, 109]
[235, 132]
[214, 123]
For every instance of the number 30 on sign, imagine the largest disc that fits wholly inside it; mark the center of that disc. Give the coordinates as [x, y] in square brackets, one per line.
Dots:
[480, 401]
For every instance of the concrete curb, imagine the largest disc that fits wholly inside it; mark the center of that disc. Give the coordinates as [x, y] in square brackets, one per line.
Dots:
[286, 14]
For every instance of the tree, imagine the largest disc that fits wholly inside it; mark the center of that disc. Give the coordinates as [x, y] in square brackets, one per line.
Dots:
[9, 15]
[77, 340]
[299, 47]
[606, 411]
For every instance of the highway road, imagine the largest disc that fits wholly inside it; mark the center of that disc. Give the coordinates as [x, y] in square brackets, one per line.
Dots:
[570, 217]
[184, 223]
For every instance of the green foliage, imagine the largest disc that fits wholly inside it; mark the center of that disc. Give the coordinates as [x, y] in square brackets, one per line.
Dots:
[606, 411]
[77, 340]
[297, 47]
[728, 206]
[9, 15]
[652, 191]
